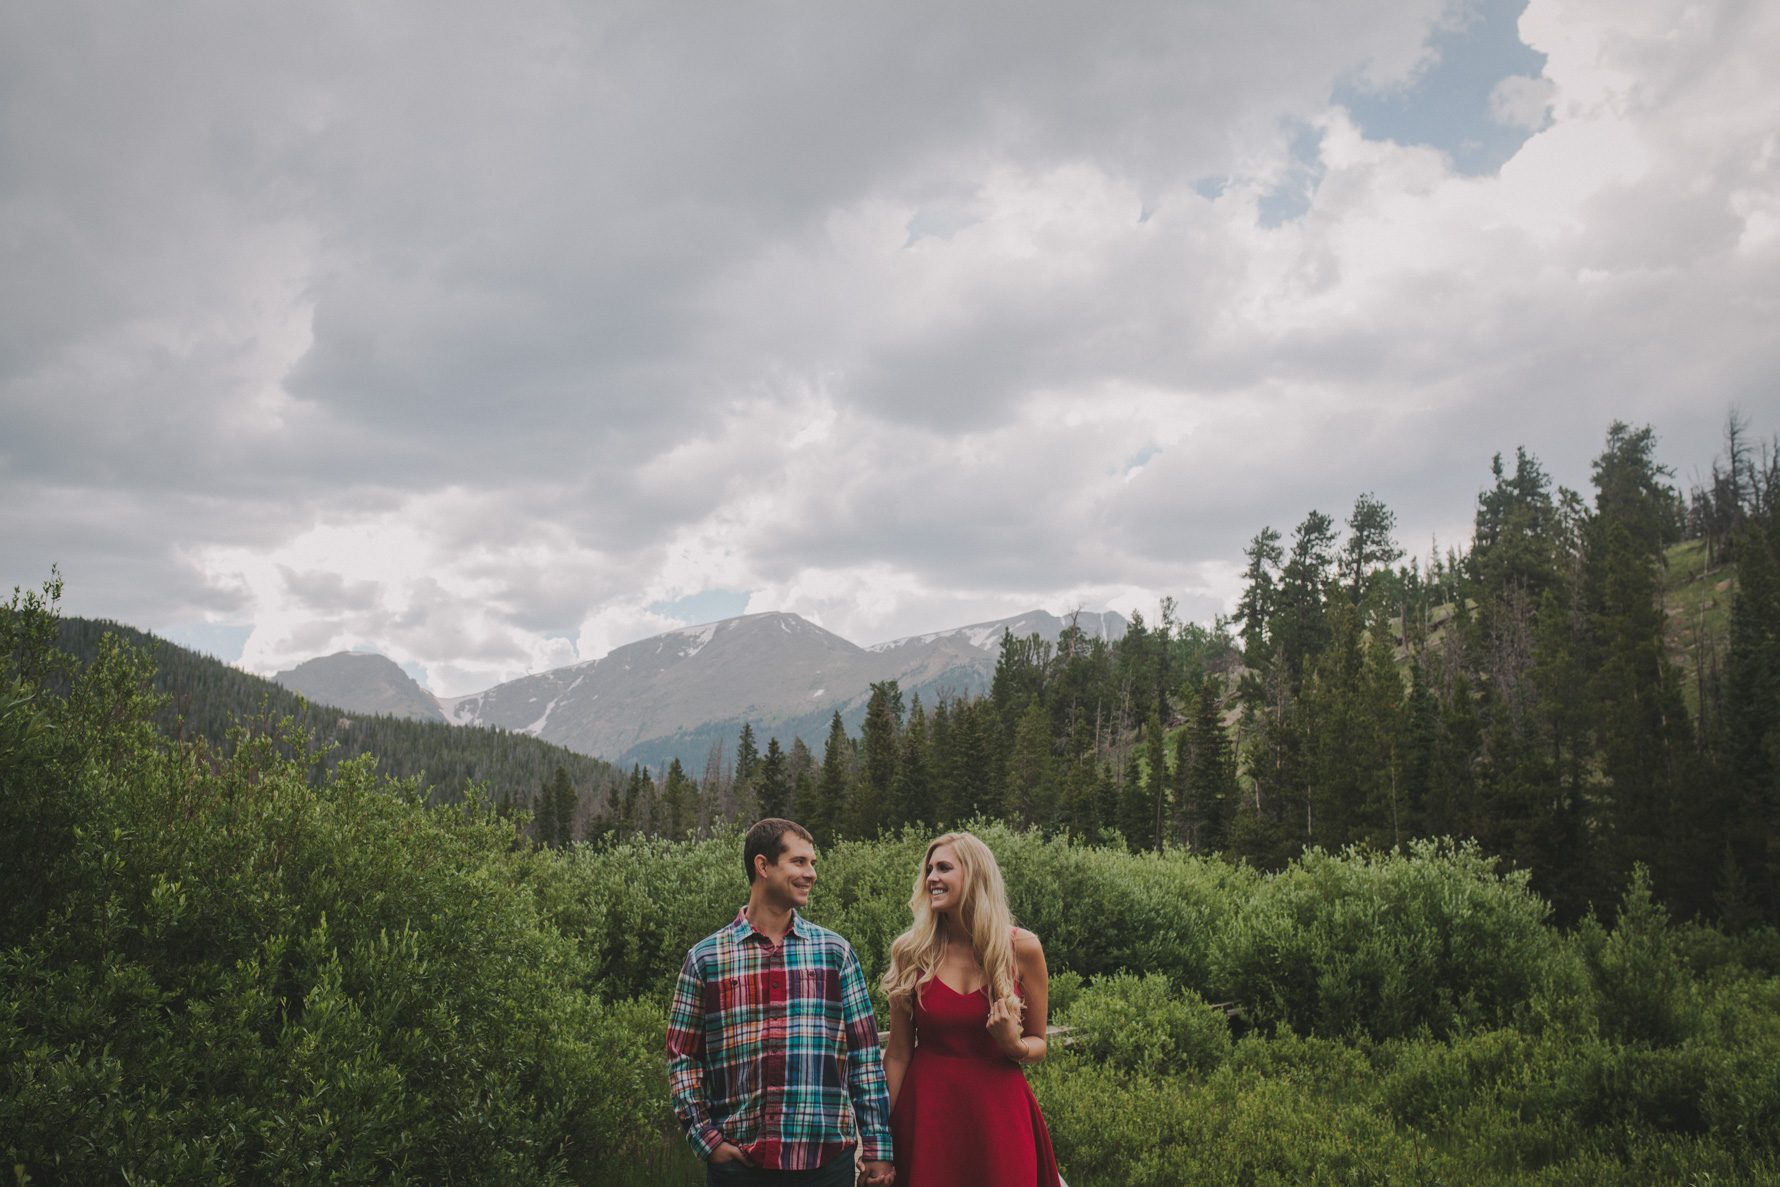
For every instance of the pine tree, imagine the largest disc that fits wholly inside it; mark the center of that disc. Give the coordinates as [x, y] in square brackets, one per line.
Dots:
[747, 756]
[1106, 801]
[1260, 598]
[1156, 781]
[940, 746]
[556, 811]
[1211, 776]
[1135, 813]
[834, 788]
[1300, 628]
[1643, 726]
[773, 790]
[1031, 777]
[874, 806]
[914, 782]
[679, 803]
[1370, 550]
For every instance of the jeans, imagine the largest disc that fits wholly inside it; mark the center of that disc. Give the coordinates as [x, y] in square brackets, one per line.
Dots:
[838, 1171]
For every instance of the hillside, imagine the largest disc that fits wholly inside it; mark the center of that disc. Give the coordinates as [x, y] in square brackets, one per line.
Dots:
[207, 698]
[1697, 614]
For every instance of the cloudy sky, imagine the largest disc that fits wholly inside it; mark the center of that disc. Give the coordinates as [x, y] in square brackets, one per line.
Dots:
[491, 336]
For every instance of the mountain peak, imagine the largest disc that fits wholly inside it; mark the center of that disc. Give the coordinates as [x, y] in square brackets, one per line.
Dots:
[361, 682]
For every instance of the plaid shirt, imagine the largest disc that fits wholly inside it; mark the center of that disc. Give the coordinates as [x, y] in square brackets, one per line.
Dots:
[774, 1047]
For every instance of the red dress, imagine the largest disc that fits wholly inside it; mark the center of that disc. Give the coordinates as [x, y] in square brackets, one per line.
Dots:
[965, 1116]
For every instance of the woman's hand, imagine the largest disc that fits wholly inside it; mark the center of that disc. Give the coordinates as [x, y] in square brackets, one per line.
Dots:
[1004, 1028]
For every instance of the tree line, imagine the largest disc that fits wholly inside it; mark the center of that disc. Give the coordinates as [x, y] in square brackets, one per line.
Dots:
[1531, 692]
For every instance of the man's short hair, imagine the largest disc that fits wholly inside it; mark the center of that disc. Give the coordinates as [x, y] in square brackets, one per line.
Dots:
[766, 838]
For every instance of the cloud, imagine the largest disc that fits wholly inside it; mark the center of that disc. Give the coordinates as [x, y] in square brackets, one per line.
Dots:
[1521, 102]
[484, 337]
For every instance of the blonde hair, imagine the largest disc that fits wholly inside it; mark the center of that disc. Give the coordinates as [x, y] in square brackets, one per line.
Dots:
[982, 912]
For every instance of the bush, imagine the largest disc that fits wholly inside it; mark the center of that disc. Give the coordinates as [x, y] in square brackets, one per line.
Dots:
[1433, 940]
[1149, 1026]
[229, 974]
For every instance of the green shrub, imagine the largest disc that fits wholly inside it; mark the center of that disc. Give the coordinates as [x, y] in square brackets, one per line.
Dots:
[1391, 945]
[1149, 1026]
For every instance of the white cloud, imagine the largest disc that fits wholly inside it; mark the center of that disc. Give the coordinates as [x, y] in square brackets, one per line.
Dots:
[469, 336]
[1521, 102]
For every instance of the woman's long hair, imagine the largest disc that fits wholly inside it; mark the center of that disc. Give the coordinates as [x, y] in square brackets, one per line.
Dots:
[982, 912]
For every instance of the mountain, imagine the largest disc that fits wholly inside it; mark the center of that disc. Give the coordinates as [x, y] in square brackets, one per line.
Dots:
[678, 694]
[363, 684]
[208, 699]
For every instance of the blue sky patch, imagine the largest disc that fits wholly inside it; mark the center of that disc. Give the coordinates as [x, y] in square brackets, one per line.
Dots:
[1448, 106]
[707, 605]
[1291, 198]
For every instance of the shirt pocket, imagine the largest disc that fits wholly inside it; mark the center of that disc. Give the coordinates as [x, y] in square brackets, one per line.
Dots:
[732, 994]
[817, 995]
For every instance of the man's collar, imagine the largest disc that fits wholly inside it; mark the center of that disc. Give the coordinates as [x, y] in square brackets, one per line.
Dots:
[743, 927]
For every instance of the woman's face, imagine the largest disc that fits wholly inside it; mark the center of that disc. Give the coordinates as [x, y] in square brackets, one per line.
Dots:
[945, 880]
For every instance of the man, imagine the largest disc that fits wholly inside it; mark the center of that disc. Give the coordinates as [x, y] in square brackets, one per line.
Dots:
[772, 1047]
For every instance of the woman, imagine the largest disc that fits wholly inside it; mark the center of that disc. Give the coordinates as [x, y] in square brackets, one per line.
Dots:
[968, 993]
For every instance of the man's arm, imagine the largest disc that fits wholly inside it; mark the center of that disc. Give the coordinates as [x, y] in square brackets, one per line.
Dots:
[686, 1059]
[865, 1064]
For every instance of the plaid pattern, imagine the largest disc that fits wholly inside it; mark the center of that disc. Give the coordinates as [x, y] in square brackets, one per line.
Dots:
[775, 1048]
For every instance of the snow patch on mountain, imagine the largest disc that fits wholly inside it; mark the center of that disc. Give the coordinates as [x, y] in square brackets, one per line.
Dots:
[696, 637]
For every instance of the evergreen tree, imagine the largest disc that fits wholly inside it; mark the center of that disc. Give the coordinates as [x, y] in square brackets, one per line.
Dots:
[1211, 774]
[940, 746]
[556, 811]
[1156, 782]
[1135, 814]
[1020, 671]
[1747, 807]
[874, 805]
[628, 823]
[805, 798]
[1031, 776]
[1260, 597]
[834, 787]
[1136, 665]
[679, 804]
[1370, 549]
[914, 782]
[747, 755]
[1643, 727]
[773, 789]
[1106, 801]
[1515, 532]
[1300, 628]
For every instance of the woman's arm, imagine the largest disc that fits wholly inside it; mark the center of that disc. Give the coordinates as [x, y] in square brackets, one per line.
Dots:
[1035, 981]
[899, 1050]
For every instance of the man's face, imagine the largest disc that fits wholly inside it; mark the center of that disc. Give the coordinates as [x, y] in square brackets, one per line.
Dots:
[788, 883]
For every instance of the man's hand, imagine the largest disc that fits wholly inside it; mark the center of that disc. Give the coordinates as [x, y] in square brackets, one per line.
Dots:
[877, 1174]
[730, 1152]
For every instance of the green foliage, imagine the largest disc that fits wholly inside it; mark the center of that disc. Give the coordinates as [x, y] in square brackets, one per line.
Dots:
[1149, 1026]
[241, 964]
[231, 973]
[1433, 940]
[1638, 973]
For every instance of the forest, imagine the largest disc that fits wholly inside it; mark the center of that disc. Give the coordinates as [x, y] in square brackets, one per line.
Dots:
[1592, 684]
[1291, 873]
